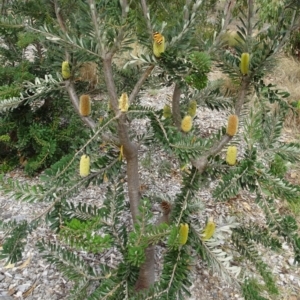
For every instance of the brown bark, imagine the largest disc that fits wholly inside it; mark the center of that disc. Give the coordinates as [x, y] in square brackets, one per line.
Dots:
[146, 274]
[176, 106]
[201, 163]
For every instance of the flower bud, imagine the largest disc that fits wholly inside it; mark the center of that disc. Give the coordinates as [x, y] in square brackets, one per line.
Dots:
[192, 108]
[85, 105]
[158, 44]
[232, 126]
[209, 229]
[187, 123]
[231, 155]
[65, 70]
[183, 233]
[245, 61]
[84, 169]
[123, 102]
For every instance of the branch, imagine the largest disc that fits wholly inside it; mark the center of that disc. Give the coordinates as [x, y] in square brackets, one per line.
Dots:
[176, 106]
[289, 30]
[74, 99]
[61, 23]
[139, 84]
[186, 13]
[146, 16]
[202, 162]
[59, 17]
[130, 149]
[119, 38]
[250, 15]
[69, 84]
[96, 26]
[229, 6]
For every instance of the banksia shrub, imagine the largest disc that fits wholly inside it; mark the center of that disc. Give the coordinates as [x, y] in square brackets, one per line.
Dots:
[231, 155]
[209, 229]
[123, 102]
[167, 112]
[85, 105]
[158, 44]
[192, 108]
[187, 123]
[84, 169]
[65, 70]
[183, 233]
[232, 126]
[244, 66]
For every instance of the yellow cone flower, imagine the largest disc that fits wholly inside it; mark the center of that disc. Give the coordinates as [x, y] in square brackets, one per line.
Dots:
[209, 229]
[158, 44]
[65, 70]
[123, 102]
[183, 233]
[187, 123]
[232, 125]
[231, 155]
[85, 105]
[84, 168]
[245, 61]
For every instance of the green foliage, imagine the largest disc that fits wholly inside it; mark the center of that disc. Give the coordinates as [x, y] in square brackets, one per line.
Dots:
[247, 248]
[15, 241]
[200, 67]
[251, 290]
[41, 136]
[278, 166]
[39, 125]
[81, 235]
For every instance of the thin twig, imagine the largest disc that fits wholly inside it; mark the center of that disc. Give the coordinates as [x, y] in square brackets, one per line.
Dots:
[139, 84]
[146, 16]
[96, 26]
[176, 106]
[74, 99]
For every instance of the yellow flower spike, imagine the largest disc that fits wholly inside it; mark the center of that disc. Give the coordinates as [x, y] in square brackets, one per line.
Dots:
[65, 70]
[158, 44]
[183, 233]
[84, 168]
[121, 155]
[232, 125]
[123, 102]
[245, 61]
[187, 123]
[209, 229]
[167, 112]
[231, 155]
[192, 108]
[85, 105]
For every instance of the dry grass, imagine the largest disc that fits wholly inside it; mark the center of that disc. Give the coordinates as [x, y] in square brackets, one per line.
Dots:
[286, 75]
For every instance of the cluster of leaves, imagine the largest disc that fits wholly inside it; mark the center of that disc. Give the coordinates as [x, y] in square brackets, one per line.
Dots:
[259, 169]
[41, 129]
